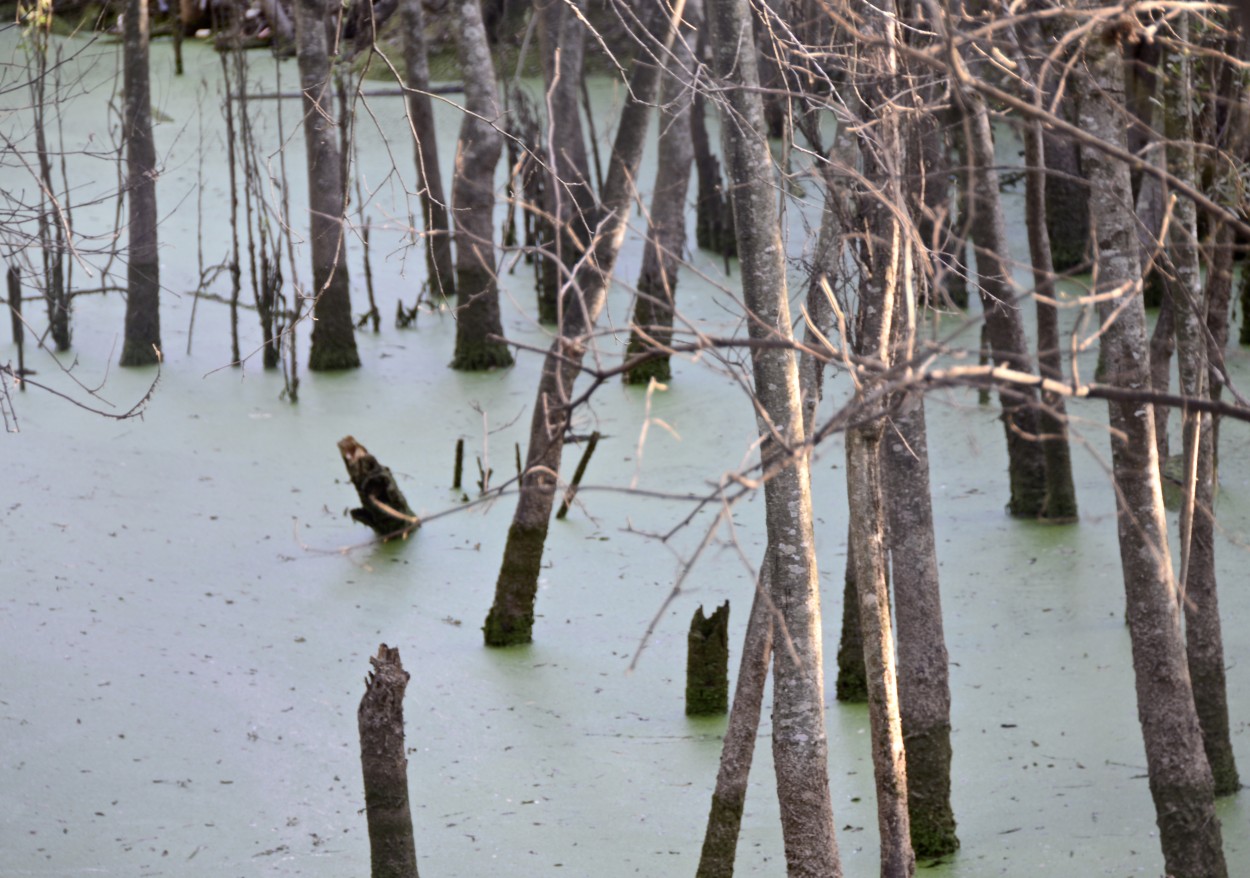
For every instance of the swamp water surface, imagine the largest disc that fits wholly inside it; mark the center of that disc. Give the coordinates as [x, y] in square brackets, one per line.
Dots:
[187, 613]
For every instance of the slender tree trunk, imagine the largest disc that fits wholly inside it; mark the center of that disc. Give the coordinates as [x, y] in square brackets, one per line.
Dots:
[333, 336]
[570, 199]
[1180, 777]
[511, 617]
[385, 767]
[1061, 503]
[479, 331]
[142, 343]
[666, 234]
[1026, 463]
[800, 748]
[1203, 634]
[720, 842]
[438, 260]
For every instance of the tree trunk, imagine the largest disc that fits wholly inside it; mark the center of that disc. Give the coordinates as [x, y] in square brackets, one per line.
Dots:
[1203, 634]
[142, 343]
[923, 674]
[570, 200]
[1067, 202]
[333, 336]
[438, 261]
[720, 842]
[800, 748]
[479, 331]
[666, 233]
[511, 617]
[1026, 463]
[1180, 777]
[385, 767]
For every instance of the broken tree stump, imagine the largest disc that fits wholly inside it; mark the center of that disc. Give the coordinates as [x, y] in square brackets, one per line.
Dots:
[707, 663]
[392, 850]
[383, 506]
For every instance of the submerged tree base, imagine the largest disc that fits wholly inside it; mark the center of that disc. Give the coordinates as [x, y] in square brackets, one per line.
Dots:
[510, 621]
[658, 367]
[325, 358]
[481, 356]
[139, 354]
[928, 790]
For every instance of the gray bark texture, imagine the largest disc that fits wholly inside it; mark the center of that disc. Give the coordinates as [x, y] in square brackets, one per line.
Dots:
[924, 693]
[142, 341]
[1180, 778]
[479, 330]
[384, 765]
[720, 841]
[652, 328]
[438, 260]
[333, 336]
[800, 747]
[511, 617]
[1204, 636]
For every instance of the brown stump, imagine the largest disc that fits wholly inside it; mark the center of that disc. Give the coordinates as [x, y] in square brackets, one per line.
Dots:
[707, 663]
[385, 767]
[383, 506]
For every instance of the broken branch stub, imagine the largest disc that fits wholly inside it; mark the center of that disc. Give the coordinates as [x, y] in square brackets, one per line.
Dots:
[383, 506]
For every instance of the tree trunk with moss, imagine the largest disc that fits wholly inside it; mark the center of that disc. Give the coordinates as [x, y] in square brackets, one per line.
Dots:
[1179, 774]
[142, 342]
[800, 746]
[438, 260]
[652, 328]
[479, 332]
[333, 335]
[511, 617]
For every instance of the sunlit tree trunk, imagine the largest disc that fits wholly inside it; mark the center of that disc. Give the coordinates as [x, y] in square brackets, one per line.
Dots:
[1179, 775]
[333, 336]
[800, 748]
[666, 233]
[141, 346]
[511, 617]
[1204, 637]
[479, 332]
[425, 141]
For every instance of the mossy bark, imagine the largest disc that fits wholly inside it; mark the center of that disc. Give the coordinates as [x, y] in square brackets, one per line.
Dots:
[928, 792]
[384, 765]
[852, 682]
[707, 662]
[510, 621]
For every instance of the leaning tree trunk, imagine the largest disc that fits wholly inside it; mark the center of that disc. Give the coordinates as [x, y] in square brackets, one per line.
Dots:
[652, 328]
[724, 821]
[800, 748]
[142, 343]
[333, 337]
[1026, 463]
[1204, 637]
[479, 333]
[1179, 775]
[425, 140]
[511, 617]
